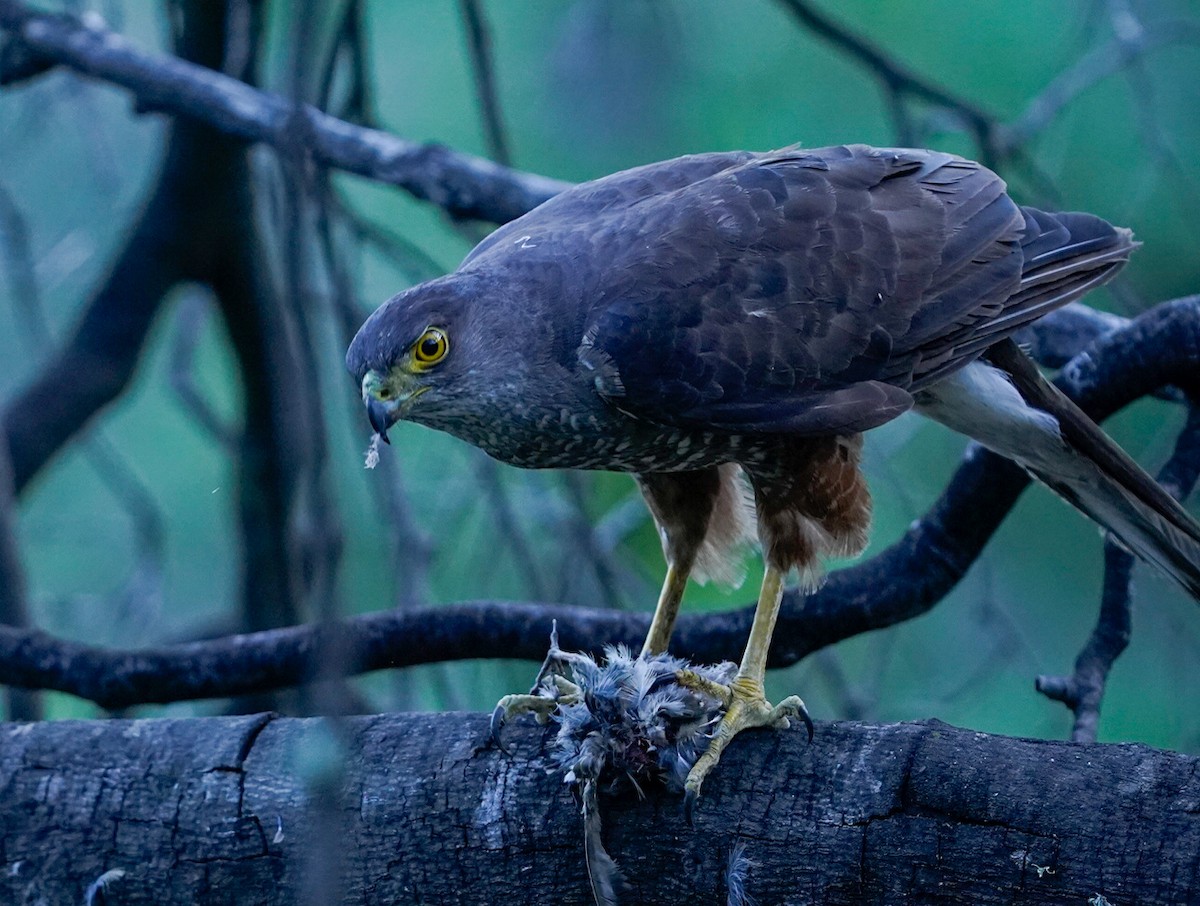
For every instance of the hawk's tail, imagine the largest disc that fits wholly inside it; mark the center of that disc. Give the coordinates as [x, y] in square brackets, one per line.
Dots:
[1008, 406]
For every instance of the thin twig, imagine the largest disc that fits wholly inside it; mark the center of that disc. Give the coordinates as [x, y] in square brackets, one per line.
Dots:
[896, 78]
[1093, 67]
[1083, 690]
[138, 602]
[483, 67]
[414, 262]
[190, 321]
[349, 41]
[584, 547]
[410, 550]
[319, 535]
[141, 593]
[508, 526]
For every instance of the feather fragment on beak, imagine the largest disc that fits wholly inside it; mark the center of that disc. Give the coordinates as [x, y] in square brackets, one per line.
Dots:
[371, 458]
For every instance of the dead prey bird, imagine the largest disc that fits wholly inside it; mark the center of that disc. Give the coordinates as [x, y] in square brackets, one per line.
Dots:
[623, 723]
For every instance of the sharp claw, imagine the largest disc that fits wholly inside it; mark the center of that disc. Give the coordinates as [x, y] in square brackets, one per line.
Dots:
[497, 724]
[808, 724]
[690, 798]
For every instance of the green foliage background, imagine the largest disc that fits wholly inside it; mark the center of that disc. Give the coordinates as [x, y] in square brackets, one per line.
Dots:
[589, 87]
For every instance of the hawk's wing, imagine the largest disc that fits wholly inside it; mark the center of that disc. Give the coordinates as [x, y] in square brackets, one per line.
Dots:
[801, 291]
[562, 221]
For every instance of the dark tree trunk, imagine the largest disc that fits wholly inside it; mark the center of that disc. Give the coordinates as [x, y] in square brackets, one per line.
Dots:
[225, 810]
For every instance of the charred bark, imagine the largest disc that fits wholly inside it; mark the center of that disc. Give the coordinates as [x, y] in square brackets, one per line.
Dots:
[227, 810]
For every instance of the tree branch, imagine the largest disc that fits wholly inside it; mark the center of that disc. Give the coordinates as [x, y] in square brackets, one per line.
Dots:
[170, 242]
[424, 813]
[190, 321]
[1093, 67]
[896, 78]
[907, 579]
[461, 184]
[998, 142]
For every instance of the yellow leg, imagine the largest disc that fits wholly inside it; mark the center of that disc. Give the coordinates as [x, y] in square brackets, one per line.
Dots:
[745, 701]
[666, 611]
[758, 646]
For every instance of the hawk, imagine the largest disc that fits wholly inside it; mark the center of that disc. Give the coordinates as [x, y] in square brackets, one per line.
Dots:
[725, 326]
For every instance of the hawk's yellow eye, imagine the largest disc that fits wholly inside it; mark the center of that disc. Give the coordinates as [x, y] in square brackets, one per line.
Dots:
[431, 348]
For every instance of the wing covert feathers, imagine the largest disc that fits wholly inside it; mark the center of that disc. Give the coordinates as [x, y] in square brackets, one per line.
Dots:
[807, 292]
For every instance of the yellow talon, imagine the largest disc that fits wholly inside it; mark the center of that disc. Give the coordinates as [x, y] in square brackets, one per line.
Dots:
[540, 706]
[746, 707]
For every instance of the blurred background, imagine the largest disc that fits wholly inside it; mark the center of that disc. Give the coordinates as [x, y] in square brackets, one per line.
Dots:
[144, 528]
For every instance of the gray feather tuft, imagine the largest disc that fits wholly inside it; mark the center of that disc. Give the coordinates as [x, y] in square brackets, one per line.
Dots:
[737, 872]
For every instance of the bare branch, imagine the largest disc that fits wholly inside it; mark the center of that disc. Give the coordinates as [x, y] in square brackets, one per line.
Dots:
[19, 63]
[905, 580]
[999, 143]
[508, 527]
[312, 522]
[463, 185]
[1083, 690]
[1057, 338]
[583, 545]
[96, 363]
[140, 597]
[409, 258]
[896, 78]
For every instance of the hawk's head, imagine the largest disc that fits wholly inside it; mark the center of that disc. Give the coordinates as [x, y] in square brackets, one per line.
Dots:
[408, 348]
[440, 353]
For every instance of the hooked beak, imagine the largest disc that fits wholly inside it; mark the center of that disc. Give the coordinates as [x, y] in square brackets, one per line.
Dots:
[380, 417]
[386, 404]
